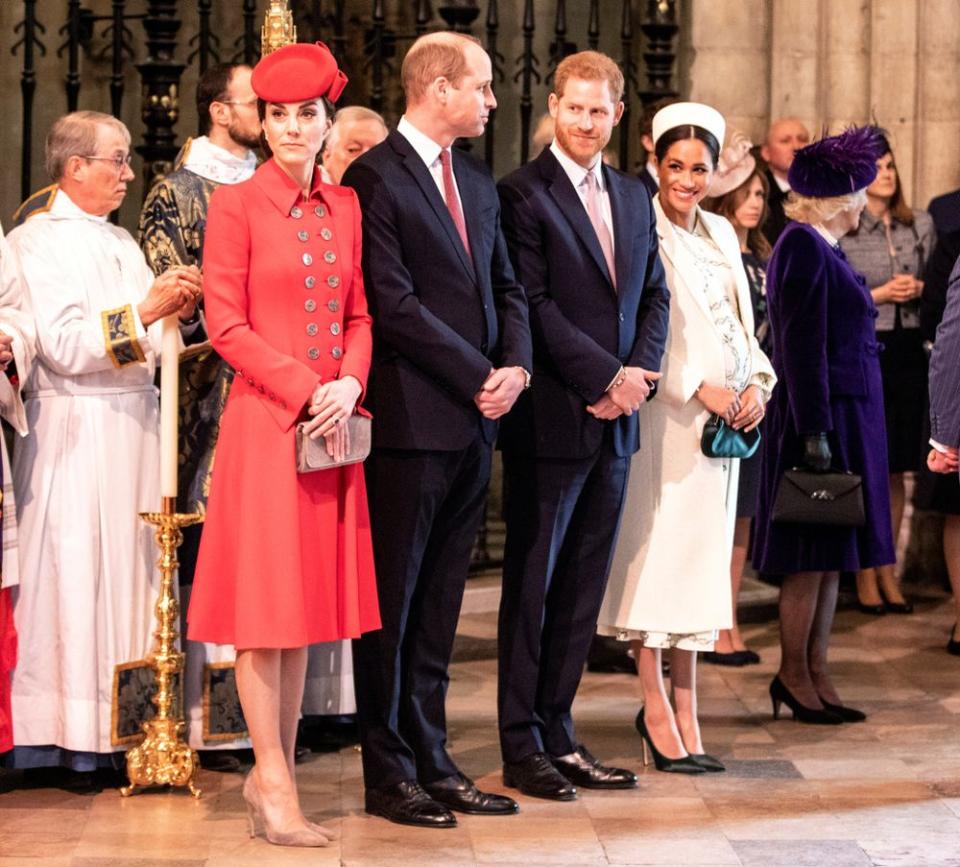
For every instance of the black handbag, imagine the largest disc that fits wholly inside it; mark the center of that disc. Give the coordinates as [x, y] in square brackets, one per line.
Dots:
[833, 499]
[719, 440]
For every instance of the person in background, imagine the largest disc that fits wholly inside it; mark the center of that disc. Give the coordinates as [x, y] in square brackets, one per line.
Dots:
[826, 413]
[355, 130]
[784, 137]
[173, 224]
[329, 701]
[663, 594]
[648, 171]
[17, 351]
[945, 212]
[286, 558]
[90, 462]
[890, 248]
[739, 192]
[937, 487]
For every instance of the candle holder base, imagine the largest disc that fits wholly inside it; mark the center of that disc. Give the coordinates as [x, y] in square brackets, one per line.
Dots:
[163, 758]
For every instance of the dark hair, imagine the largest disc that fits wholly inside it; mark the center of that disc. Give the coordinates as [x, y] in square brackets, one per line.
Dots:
[645, 125]
[899, 209]
[262, 104]
[213, 87]
[685, 132]
[727, 205]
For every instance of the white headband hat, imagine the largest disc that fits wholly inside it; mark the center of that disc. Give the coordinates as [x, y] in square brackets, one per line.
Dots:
[687, 114]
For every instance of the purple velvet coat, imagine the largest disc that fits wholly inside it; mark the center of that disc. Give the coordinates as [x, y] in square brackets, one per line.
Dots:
[825, 356]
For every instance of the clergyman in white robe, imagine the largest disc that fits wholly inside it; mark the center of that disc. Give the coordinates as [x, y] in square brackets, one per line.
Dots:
[88, 466]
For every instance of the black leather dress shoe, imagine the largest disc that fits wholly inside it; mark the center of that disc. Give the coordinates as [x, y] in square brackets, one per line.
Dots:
[609, 656]
[581, 768]
[536, 776]
[459, 793]
[406, 803]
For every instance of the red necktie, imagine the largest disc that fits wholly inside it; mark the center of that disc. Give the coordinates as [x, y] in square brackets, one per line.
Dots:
[453, 202]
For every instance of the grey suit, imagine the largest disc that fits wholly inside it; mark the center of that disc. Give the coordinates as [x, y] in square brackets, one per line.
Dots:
[945, 370]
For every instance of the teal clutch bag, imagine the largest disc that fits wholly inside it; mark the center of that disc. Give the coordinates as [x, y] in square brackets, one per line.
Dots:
[719, 440]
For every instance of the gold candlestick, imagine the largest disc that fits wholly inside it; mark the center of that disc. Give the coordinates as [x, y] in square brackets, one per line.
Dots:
[163, 758]
[278, 28]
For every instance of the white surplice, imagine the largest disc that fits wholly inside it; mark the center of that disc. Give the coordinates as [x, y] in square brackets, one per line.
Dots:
[16, 321]
[88, 466]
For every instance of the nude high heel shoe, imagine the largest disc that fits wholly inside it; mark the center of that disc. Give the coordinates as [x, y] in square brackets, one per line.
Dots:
[309, 837]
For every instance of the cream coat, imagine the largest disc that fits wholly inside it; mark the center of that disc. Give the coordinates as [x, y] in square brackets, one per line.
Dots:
[671, 567]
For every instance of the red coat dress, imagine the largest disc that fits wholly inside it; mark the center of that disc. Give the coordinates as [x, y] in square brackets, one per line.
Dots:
[285, 559]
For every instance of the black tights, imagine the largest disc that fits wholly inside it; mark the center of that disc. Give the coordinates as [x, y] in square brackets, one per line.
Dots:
[807, 604]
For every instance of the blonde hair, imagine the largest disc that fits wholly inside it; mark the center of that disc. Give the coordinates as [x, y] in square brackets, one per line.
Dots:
[351, 114]
[75, 135]
[589, 66]
[811, 210]
[433, 56]
[543, 134]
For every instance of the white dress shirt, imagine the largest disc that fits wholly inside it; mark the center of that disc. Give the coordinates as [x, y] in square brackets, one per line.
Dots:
[429, 151]
[578, 174]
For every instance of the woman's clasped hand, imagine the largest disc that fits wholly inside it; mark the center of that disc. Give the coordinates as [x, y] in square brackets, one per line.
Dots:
[331, 406]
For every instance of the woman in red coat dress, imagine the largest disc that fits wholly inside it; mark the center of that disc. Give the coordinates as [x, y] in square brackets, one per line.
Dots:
[285, 559]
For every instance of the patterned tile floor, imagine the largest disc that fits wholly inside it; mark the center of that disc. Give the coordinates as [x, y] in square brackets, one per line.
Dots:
[886, 792]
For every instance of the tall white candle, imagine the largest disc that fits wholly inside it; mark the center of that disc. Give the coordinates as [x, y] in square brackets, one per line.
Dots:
[169, 400]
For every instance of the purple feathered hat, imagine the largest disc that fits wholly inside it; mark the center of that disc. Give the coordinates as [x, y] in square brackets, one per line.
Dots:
[838, 164]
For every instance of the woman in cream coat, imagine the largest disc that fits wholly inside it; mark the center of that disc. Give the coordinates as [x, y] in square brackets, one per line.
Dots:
[669, 585]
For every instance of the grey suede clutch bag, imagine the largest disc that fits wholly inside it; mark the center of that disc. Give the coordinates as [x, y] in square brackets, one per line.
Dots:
[312, 454]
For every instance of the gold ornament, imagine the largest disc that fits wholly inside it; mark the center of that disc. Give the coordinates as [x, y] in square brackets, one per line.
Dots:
[278, 28]
[163, 758]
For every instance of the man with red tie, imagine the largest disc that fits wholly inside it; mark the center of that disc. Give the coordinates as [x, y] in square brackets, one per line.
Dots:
[451, 354]
[583, 240]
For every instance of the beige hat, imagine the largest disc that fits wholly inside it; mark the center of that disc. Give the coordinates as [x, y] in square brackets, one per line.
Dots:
[686, 114]
[735, 166]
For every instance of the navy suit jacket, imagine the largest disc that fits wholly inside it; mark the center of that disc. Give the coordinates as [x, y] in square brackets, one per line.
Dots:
[440, 320]
[583, 328]
[945, 370]
[945, 211]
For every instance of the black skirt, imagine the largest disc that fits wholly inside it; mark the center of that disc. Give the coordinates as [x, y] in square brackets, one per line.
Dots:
[903, 367]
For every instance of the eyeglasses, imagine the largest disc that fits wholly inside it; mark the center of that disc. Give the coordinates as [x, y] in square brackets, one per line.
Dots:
[118, 162]
[251, 101]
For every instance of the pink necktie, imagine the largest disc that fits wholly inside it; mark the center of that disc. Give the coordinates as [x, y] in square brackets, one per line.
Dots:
[603, 233]
[453, 203]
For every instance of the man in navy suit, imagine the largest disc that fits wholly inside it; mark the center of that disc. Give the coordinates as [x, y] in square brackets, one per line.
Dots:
[583, 240]
[944, 384]
[945, 211]
[452, 353]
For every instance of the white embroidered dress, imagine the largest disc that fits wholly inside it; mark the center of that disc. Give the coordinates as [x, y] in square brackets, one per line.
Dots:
[669, 583]
[88, 466]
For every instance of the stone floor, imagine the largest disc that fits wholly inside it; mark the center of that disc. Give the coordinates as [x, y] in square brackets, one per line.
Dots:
[886, 792]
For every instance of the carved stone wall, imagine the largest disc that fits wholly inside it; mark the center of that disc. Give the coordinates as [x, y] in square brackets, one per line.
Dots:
[834, 62]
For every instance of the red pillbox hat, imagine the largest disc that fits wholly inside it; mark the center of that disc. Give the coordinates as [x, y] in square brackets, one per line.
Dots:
[298, 72]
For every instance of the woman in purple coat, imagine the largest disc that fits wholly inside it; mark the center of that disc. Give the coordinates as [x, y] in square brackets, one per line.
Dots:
[826, 412]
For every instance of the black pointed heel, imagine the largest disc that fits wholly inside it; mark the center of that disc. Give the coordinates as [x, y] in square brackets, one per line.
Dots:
[847, 714]
[685, 765]
[801, 713]
[709, 763]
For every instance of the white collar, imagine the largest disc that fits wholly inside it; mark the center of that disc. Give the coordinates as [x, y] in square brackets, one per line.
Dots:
[576, 172]
[427, 149]
[217, 164]
[823, 233]
[64, 208]
[780, 182]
